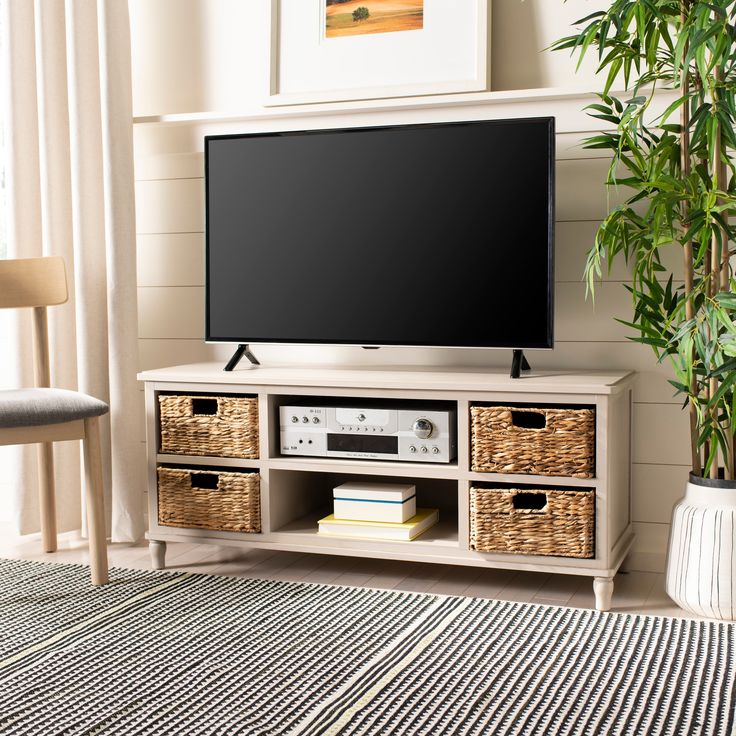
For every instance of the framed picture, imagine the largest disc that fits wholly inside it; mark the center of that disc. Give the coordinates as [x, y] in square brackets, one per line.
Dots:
[335, 50]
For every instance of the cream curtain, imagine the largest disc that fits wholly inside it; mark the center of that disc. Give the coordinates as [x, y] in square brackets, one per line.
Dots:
[70, 183]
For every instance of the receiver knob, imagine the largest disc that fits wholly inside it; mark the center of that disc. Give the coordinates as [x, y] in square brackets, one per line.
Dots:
[423, 428]
[295, 419]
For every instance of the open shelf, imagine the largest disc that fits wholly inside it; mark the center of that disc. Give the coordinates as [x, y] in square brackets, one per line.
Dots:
[297, 500]
[305, 529]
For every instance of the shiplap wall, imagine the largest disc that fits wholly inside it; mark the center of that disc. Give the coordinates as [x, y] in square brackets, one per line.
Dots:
[170, 217]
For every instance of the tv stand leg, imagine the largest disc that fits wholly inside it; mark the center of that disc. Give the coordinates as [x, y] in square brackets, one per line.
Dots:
[242, 350]
[518, 364]
[158, 554]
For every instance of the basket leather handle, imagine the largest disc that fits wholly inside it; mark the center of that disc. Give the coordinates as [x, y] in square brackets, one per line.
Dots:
[205, 481]
[525, 501]
[204, 407]
[529, 419]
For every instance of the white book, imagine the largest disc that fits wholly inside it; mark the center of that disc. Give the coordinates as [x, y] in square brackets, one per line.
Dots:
[365, 501]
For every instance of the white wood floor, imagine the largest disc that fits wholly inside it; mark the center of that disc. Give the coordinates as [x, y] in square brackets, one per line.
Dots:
[635, 592]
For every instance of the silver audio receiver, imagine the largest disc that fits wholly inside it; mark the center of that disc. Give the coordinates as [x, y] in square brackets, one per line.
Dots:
[376, 433]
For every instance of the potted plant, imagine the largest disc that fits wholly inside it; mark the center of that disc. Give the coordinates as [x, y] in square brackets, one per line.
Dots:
[676, 170]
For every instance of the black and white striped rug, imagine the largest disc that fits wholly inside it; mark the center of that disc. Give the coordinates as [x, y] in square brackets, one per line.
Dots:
[180, 654]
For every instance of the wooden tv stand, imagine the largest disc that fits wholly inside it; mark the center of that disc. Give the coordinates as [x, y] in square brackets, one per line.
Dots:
[296, 491]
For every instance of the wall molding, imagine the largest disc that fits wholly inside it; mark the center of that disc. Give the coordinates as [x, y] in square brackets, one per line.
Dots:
[566, 104]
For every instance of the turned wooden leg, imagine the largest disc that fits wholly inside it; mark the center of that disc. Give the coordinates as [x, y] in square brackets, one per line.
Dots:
[95, 497]
[158, 554]
[603, 589]
[47, 495]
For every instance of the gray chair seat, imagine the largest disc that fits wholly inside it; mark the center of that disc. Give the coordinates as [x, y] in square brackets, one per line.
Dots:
[34, 407]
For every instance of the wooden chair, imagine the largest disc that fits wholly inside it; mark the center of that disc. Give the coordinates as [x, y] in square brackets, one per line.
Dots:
[44, 415]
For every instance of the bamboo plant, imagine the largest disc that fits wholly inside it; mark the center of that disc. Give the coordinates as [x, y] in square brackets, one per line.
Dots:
[677, 175]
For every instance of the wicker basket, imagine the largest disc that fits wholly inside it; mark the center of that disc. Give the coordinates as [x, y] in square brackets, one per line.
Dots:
[526, 440]
[217, 426]
[209, 499]
[533, 522]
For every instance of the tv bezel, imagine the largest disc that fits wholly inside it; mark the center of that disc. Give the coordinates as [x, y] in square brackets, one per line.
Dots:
[548, 344]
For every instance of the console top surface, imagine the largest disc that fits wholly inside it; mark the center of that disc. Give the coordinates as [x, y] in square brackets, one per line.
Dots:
[415, 378]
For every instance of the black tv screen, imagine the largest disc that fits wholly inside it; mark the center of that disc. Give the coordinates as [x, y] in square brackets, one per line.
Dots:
[431, 235]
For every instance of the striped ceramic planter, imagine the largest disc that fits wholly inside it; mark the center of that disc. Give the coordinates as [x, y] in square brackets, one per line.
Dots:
[701, 561]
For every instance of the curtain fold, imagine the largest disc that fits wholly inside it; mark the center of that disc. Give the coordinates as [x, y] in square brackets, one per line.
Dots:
[70, 172]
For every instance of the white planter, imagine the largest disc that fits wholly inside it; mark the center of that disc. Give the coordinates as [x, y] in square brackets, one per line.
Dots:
[701, 561]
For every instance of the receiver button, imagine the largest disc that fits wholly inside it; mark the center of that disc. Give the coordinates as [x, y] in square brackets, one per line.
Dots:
[305, 420]
[315, 420]
[424, 449]
[436, 450]
[294, 420]
[412, 448]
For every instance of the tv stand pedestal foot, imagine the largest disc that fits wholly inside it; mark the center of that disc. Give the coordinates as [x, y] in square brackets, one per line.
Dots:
[158, 554]
[603, 589]
[240, 352]
[518, 364]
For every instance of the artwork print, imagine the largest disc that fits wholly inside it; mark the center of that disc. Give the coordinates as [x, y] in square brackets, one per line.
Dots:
[359, 17]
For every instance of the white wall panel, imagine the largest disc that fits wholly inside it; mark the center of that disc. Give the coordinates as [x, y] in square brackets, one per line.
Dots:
[650, 547]
[573, 241]
[169, 206]
[166, 312]
[581, 190]
[570, 146]
[171, 259]
[661, 434]
[170, 166]
[656, 489]
[581, 320]
[158, 352]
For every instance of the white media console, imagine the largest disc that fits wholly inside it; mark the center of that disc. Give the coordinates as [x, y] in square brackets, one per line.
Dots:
[296, 491]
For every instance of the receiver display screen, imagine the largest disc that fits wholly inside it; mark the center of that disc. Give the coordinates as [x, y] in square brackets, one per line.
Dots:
[363, 443]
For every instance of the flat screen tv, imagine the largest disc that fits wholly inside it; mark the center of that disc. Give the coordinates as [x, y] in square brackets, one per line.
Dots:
[416, 235]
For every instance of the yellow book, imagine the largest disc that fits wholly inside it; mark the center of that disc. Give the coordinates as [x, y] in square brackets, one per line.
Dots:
[395, 532]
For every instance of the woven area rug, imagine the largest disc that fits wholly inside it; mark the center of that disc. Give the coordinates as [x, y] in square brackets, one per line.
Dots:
[167, 653]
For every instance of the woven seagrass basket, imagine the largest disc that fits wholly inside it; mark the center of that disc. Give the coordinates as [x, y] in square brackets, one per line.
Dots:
[209, 499]
[549, 522]
[506, 439]
[218, 426]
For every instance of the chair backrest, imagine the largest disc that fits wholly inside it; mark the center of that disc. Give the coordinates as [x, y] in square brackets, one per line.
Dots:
[32, 282]
[37, 283]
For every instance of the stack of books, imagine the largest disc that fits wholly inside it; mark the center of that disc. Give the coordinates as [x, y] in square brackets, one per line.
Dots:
[377, 511]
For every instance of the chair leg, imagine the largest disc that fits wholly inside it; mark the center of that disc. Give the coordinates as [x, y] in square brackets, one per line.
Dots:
[47, 495]
[95, 502]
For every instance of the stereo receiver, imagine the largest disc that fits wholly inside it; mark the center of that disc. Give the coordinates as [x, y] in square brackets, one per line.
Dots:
[373, 432]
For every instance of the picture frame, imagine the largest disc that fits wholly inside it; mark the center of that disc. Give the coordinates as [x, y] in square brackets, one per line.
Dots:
[307, 67]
